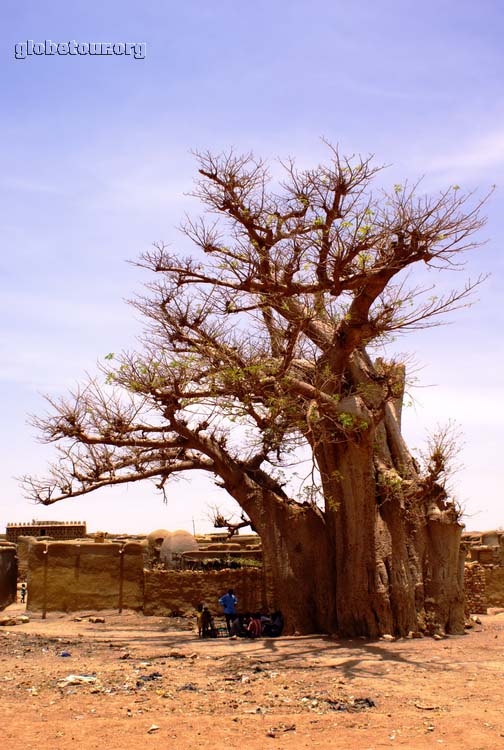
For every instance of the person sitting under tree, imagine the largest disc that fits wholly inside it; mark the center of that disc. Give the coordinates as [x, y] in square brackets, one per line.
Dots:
[254, 626]
[207, 624]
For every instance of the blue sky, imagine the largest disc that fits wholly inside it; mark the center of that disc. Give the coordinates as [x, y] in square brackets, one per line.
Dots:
[96, 158]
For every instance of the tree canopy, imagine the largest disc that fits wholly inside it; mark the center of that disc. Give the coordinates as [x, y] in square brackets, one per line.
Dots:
[261, 343]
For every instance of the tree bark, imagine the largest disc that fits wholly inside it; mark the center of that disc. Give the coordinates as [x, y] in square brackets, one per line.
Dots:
[397, 562]
[396, 540]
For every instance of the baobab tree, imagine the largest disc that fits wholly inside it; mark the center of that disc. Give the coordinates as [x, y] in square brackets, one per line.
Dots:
[260, 347]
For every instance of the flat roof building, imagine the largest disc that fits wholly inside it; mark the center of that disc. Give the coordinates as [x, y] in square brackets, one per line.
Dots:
[51, 529]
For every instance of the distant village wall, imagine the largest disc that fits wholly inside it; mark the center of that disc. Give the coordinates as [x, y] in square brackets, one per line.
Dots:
[76, 576]
[168, 591]
[51, 529]
[71, 576]
[8, 575]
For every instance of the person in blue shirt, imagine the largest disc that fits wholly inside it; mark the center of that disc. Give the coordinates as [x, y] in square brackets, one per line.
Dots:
[228, 602]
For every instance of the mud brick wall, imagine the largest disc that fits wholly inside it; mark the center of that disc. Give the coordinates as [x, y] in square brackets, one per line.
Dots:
[485, 555]
[169, 591]
[8, 576]
[475, 589]
[494, 581]
[23, 545]
[70, 576]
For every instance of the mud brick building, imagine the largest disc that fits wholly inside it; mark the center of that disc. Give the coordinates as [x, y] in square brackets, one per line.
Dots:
[8, 574]
[52, 529]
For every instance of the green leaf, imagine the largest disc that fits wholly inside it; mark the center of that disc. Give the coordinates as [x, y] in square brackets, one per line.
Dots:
[346, 420]
[110, 355]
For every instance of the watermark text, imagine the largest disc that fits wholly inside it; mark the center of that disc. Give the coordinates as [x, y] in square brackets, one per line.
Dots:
[22, 50]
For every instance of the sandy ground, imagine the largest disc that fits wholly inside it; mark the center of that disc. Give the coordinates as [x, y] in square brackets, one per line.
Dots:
[149, 682]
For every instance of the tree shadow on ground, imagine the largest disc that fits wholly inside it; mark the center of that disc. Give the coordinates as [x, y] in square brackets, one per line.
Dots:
[351, 658]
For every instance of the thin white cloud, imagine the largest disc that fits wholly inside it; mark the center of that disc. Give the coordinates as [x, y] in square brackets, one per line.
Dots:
[30, 185]
[440, 404]
[474, 157]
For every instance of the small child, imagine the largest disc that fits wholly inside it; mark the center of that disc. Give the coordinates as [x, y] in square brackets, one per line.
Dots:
[254, 627]
[199, 619]
[23, 593]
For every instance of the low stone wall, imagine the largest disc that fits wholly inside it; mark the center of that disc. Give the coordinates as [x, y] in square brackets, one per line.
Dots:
[494, 584]
[8, 576]
[484, 587]
[169, 591]
[475, 589]
[69, 576]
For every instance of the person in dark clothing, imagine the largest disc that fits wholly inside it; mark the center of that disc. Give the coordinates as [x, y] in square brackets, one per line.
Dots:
[208, 629]
[275, 626]
[237, 630]
[23, 593]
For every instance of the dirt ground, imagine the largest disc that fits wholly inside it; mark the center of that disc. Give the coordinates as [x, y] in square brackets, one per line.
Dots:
[149, 682]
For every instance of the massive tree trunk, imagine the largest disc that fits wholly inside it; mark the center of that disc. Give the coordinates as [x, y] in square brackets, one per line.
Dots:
[381, 557]
[362, 579]
[396, 540]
